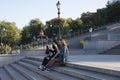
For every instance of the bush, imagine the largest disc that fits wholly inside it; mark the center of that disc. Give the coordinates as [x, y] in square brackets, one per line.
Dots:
[28, 46]
[5, 49]
[81, 43]
[16, 47]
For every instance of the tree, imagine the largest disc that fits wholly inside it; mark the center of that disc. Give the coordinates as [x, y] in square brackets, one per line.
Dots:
[35, 27]
[76, 25]
[11, 35]
[32, 30]
[54, 25]
[100, 17]
[113, 11]
[87, 19]
[26, 36]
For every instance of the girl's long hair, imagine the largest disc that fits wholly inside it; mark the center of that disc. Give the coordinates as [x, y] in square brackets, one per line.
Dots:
[64, 42]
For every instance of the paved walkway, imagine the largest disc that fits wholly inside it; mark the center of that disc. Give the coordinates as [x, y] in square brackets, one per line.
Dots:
[102, 61]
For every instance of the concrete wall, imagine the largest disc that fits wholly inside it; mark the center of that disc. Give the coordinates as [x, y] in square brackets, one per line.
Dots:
[100, 44]
[74, 43]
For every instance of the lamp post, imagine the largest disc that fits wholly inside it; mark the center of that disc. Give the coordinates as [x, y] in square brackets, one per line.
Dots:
[90, 30]
[70, 32]
[1, 29]
[58, 8]
[51, 28]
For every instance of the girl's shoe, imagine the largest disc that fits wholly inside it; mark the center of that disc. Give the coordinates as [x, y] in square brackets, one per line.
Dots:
[40, 67]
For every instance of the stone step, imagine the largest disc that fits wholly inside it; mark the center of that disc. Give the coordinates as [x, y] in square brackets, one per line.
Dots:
[27, 69]
[76, 74]
[52, 72]
[4, 75]
[28, 73]
[36, 70]
[82, 73]
[14, 74]
[79, 75]
[95, 69]
[63, 76]
[116, 47]
[84, 70]
[34, 62]
[35, 58]
[113, 51]
[84, 67]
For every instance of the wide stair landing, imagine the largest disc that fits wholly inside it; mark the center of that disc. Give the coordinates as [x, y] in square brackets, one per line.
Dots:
[27, 69]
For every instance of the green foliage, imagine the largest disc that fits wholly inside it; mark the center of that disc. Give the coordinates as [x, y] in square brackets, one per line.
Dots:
[103, 16]
[5, 49]
[64, 24]
[32, 30]
[11, 34]
[76, 25]
[53, 26]
[26, 36]
[35, 26]
[27, 46]
[113, 11]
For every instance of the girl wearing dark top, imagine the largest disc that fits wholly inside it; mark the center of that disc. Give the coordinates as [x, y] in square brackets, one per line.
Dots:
[52, 51]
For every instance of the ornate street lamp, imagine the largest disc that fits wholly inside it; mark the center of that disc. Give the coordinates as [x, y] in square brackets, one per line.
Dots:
[58, 8]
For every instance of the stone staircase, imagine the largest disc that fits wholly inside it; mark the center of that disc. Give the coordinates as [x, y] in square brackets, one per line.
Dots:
[27, 69]
[113, 51]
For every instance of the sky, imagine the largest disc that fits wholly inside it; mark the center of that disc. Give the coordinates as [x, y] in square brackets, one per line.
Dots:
[23, 11]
